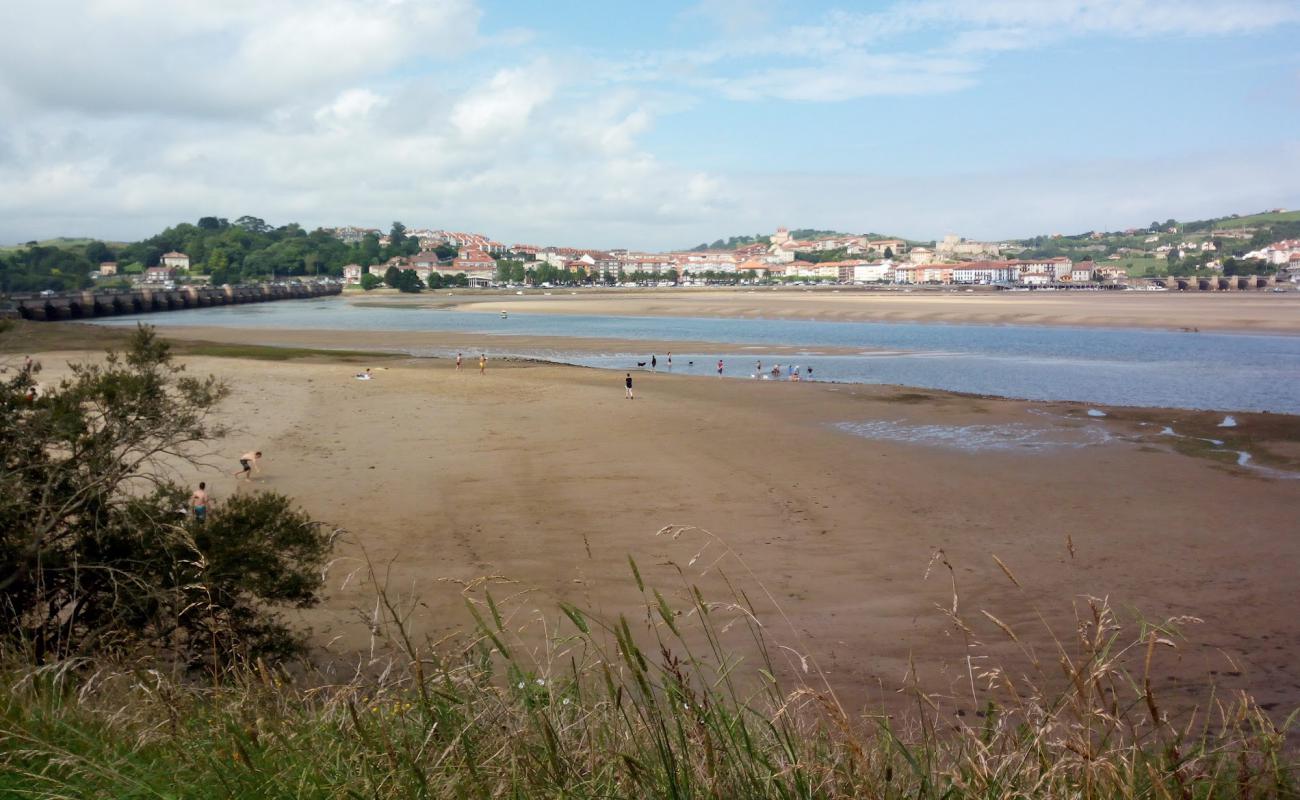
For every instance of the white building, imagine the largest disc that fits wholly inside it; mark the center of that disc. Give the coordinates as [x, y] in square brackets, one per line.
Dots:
[984, 272]
[873, 273]
[176, 260]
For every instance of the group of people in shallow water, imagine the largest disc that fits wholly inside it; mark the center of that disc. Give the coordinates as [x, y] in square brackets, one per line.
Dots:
[791, 372]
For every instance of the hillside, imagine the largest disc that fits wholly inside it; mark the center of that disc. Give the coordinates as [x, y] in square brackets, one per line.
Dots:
[1250, 220]
[1173, 246]
[61, 242]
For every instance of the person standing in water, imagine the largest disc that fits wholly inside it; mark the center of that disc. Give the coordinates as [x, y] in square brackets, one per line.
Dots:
[719, 368]
[627, 381]
[670, 359]
[458, 362]
[654, 362]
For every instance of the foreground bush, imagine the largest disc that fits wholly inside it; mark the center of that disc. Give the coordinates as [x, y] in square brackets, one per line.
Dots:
[97, 555]
[596, 709]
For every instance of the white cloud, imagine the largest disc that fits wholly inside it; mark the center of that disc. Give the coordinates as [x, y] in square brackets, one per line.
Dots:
[849, 55]
[191, 57]
[848, 76]
[1065, 197]
[502, 107]
[734, 17]
[365, 111]
[529, 152]
[349, 106]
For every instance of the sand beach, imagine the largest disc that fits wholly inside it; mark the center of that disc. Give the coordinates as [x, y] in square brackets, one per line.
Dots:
[840, 504]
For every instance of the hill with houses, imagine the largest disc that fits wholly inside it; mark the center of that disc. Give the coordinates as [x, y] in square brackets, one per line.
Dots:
[216, 250]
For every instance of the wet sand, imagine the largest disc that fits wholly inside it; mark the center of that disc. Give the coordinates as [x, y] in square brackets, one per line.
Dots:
[444, 342]
[1257, 311]
[547, 478]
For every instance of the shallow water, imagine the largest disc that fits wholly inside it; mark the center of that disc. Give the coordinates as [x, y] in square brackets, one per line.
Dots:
[1012, 436]
[1229, 372]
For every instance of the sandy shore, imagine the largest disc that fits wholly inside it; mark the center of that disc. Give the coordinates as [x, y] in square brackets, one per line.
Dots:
[1225, 311]
[446, 342]
[546, 477]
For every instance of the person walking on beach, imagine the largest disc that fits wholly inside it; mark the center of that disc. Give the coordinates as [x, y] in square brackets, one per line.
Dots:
[482, 363]
[627, 381]
[654, 362]
[809, 373]
[458, 362]
[248, 462]
[719, 368]
[670, 359]
[199, 502]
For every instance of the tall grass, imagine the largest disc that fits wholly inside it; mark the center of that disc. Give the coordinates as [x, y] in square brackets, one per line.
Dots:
[693, 697]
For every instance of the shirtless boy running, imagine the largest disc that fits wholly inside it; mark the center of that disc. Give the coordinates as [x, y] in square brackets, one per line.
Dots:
[248, 463]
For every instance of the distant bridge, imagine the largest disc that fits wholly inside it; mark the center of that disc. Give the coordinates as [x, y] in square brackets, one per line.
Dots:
[1229, 283]
[141, 300]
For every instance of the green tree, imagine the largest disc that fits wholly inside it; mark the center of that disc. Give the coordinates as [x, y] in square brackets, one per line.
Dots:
[98, 252]
[397, 239]
[436, 280]
[253, 224]
[370, 281]
[408, 281]
[94, 556]
[370, 253]
[506, 269]
[393, 277]
[219, 267]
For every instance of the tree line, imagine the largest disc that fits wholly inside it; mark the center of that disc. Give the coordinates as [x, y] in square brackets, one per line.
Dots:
[246, 250]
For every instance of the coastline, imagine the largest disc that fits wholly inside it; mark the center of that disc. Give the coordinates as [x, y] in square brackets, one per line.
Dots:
[545, 475]
[614, 353]
[1245, 312]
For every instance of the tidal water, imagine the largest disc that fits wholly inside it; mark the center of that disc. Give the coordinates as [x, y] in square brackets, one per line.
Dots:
[1135, 367]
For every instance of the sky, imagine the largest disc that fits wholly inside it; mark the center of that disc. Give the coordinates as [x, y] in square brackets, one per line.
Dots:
[645, 125]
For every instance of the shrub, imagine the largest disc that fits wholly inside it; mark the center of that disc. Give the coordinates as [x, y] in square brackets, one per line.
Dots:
[96, 552]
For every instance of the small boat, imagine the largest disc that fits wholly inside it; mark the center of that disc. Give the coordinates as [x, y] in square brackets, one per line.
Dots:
[504, 315]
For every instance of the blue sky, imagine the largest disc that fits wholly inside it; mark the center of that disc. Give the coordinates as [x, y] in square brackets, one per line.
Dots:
[648, 125]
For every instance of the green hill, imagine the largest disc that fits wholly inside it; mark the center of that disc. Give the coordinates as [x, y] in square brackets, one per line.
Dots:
[1248, 221]
[61, 242]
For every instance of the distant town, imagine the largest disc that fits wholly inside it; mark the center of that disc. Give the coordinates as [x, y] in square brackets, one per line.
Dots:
[836, 258]
[1237, 252]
